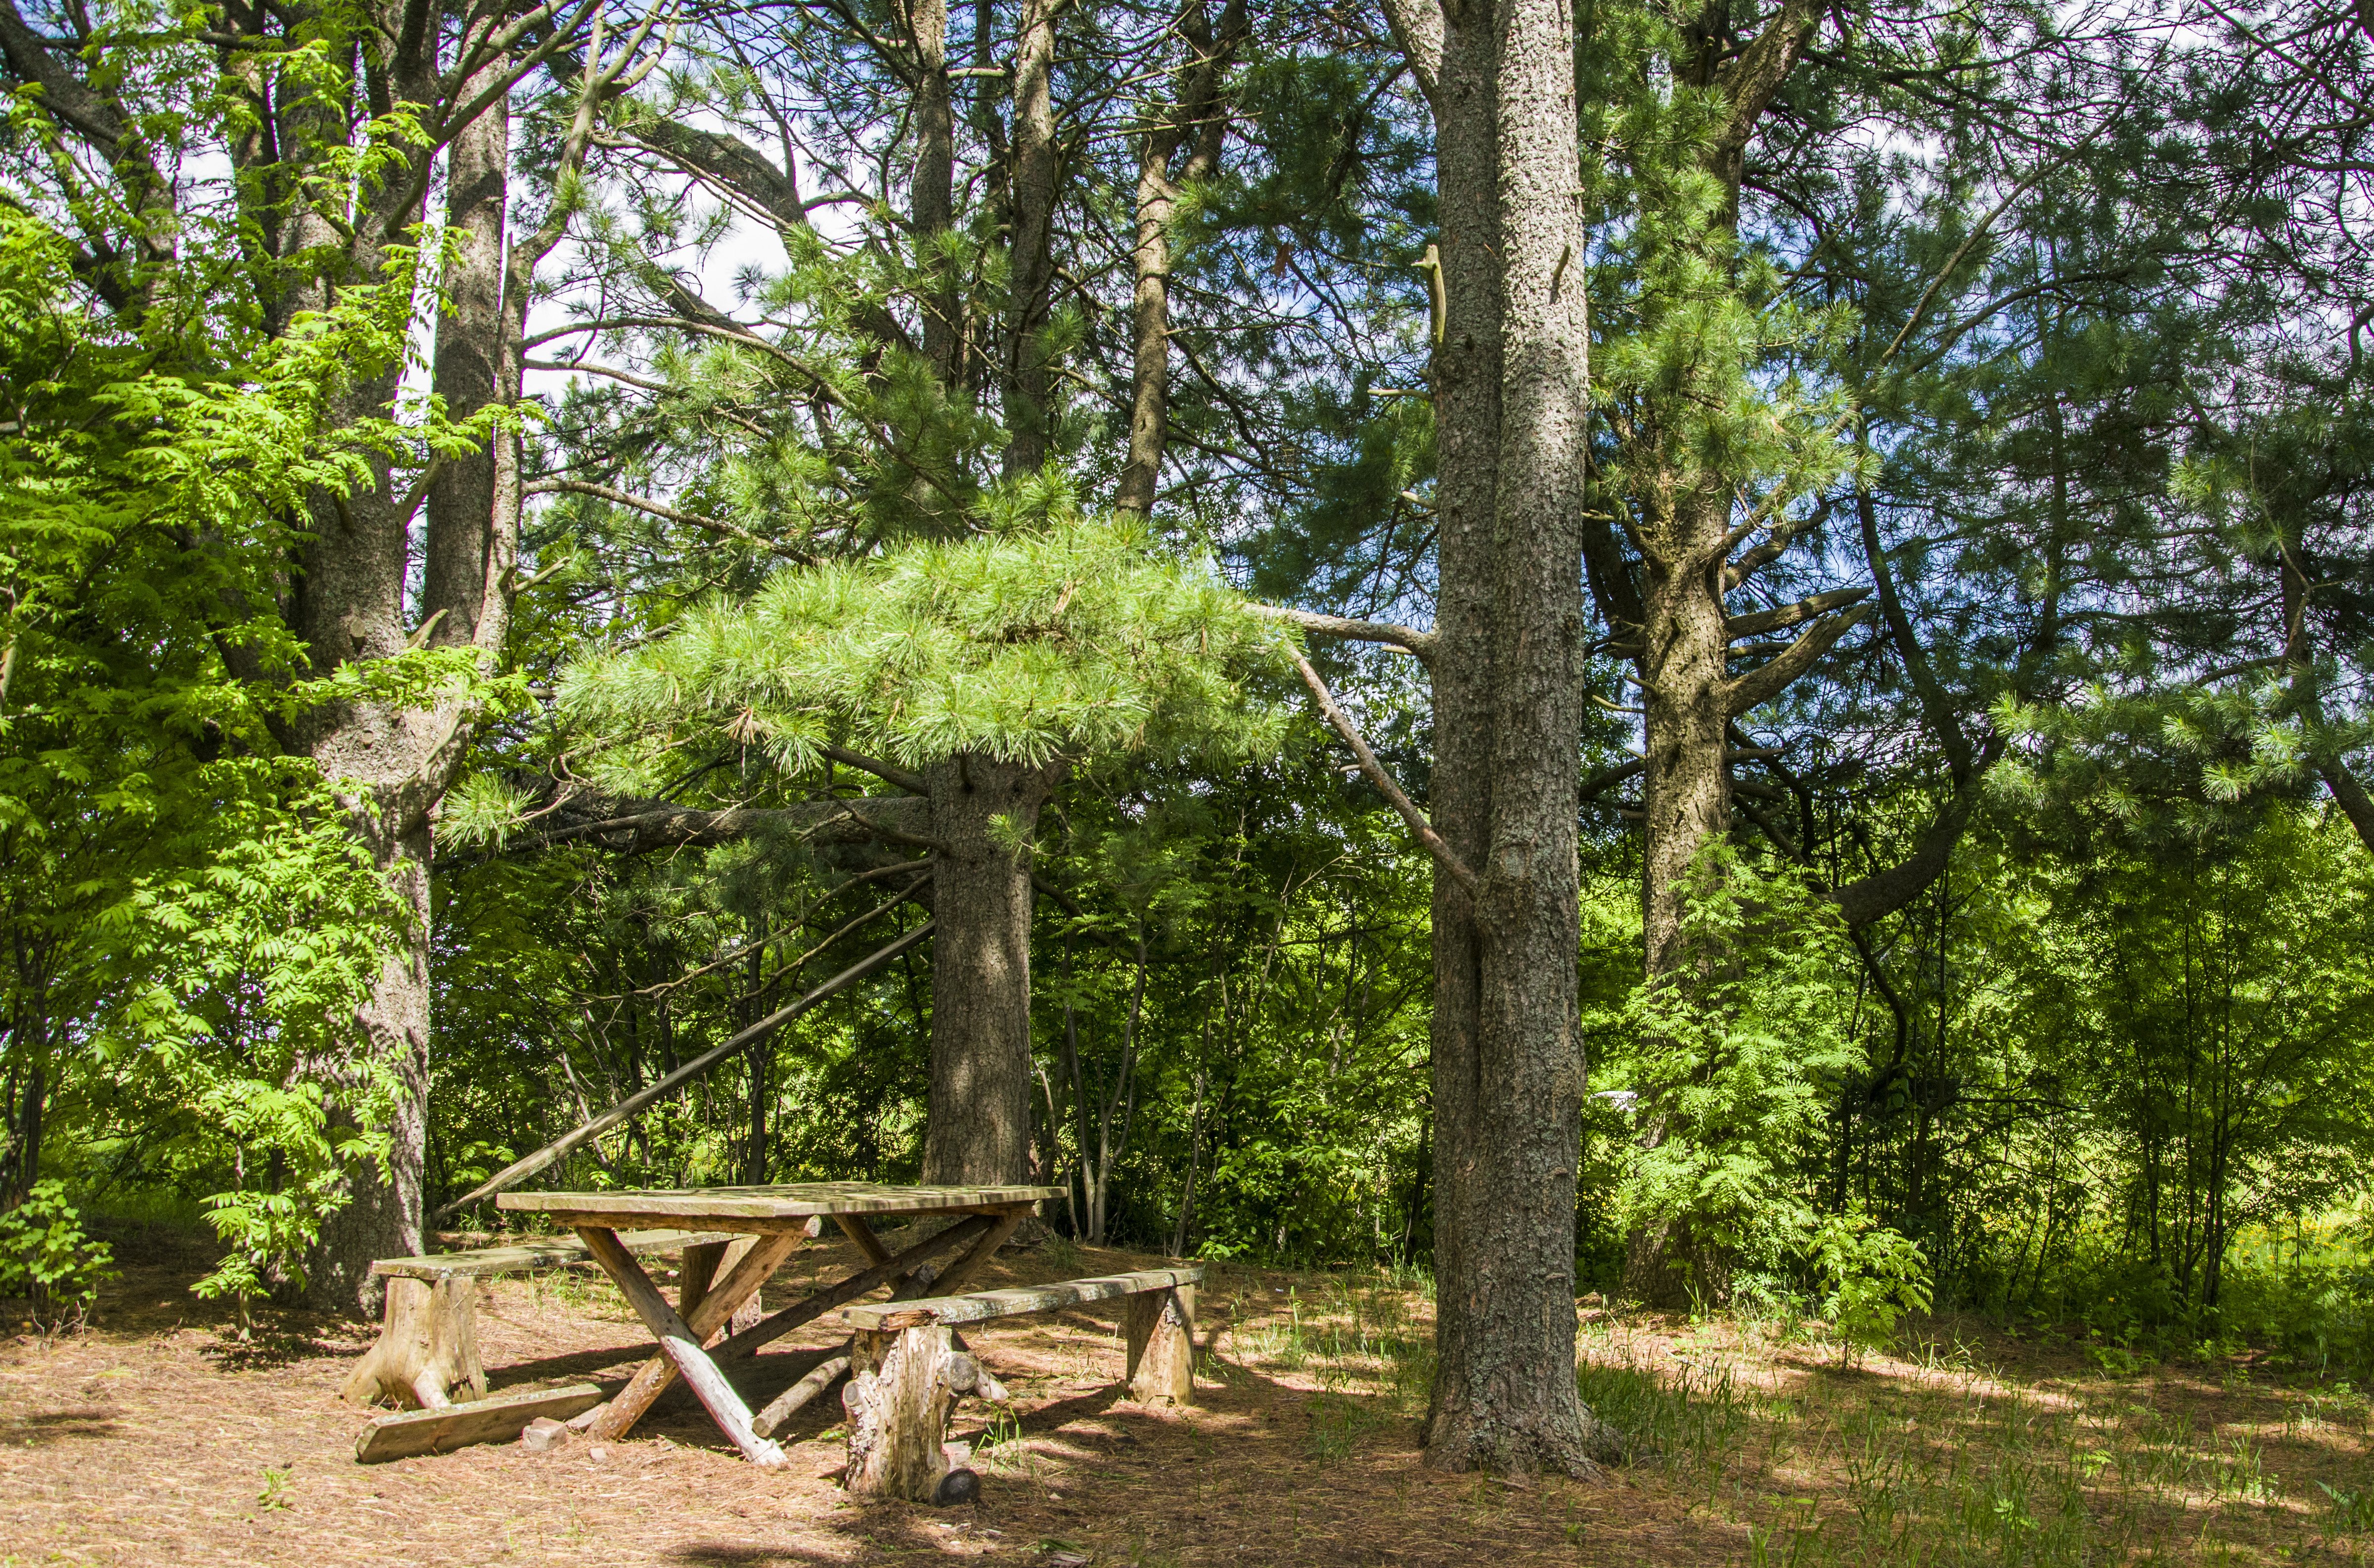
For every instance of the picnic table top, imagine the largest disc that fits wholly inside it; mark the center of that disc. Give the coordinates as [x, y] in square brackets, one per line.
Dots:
[792, 1200]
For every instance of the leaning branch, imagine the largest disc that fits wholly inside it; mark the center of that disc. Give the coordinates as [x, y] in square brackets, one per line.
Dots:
[519, 1171]
[1408, 639]
[1375, 772]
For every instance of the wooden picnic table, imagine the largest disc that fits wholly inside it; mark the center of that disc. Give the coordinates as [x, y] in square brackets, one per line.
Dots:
[778, 1218]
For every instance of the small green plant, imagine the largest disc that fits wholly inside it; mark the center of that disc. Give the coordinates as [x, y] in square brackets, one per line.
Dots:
[274, 1494]
[46, 1258]
[1873, 1276]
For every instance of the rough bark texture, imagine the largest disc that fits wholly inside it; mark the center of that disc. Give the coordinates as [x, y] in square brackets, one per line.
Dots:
[1195, 120]
[348, 604]
[1510, 382]
[932, 193]
[982, 815]
[1033, 256]
[1686, 791]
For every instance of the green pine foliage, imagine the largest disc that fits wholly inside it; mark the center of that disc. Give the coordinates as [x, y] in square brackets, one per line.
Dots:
[1048, 637]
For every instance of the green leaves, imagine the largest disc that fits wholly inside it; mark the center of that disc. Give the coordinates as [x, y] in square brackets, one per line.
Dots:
[47, 1259]
[1873, 1276]
[1742, 1046]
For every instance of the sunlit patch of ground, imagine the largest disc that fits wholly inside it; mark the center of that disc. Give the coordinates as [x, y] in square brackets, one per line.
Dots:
[158, 1438]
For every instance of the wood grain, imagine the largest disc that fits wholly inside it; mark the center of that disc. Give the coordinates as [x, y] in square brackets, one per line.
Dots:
[709, 1311]
[982, 1307]
[497, 1420]
[746, 1341]
[524, 1257]
[798, 1200]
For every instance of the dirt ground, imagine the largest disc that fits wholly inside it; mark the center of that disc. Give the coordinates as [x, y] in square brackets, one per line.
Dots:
[157, 1438]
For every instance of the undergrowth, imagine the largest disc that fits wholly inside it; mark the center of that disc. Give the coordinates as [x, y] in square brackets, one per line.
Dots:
[1934, 1454]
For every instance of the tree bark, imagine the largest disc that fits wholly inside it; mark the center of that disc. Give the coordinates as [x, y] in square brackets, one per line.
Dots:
[933, 193]
[984, 813]
[1510, 387]
[1028, 383]
[1197, 111]
[349, 606]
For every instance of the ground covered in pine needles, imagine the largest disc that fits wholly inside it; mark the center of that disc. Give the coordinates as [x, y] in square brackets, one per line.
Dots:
[159, 1437]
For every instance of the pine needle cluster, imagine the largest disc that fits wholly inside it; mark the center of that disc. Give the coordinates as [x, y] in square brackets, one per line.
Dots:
[1071, 640]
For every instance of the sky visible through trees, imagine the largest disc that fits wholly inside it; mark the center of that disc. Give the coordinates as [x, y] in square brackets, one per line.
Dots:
[1697, 651]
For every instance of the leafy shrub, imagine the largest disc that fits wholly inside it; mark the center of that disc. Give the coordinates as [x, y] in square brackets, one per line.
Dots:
[46, 1258]
[1874, 1277]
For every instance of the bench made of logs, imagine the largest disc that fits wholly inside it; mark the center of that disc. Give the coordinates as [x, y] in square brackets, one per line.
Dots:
[429, 1329]
[907, 1369]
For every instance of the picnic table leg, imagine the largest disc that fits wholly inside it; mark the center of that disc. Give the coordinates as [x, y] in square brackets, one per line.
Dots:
[960, 1273]
[678, 1341]
[714, 1307]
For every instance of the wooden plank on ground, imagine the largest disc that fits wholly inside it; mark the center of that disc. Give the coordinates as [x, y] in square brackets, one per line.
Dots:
[982, 1305]
[497, 1420]
[544, 1253]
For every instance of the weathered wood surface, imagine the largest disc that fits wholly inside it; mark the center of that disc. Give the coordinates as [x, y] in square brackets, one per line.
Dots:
[427, 1345]
[767, 1330]
[785, 1405]
[960, 1273]
[1161, 1329]
[497, 1420]
[527, 1256]
[731, 1208]
[982, 1305]
[712, 1305]
[899, 1397]
[681, 1345]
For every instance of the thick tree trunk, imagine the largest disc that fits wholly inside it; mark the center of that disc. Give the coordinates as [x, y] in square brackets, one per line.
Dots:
[1685, 788]
[1511, 380]
[396, 764]
[982, 815]
[1028, 385]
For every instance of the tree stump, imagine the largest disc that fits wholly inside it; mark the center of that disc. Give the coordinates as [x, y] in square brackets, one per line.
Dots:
[1162, 1325]
[427, 1345]
[902, 1388]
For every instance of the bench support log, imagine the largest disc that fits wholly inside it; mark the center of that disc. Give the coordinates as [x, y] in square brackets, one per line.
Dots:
[428, 1345]
[1162, 1325]
[902, 1388]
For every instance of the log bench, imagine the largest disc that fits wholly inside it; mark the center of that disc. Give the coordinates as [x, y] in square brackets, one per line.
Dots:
[907, 1369]
[428, 1343]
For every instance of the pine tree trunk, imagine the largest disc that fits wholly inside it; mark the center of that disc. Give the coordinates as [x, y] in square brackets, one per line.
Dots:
[934, 190]
[982, 815]
[1027, 385]
[1511, 383]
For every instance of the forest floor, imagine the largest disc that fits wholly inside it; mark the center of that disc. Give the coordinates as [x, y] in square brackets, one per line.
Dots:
[158, 1437]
